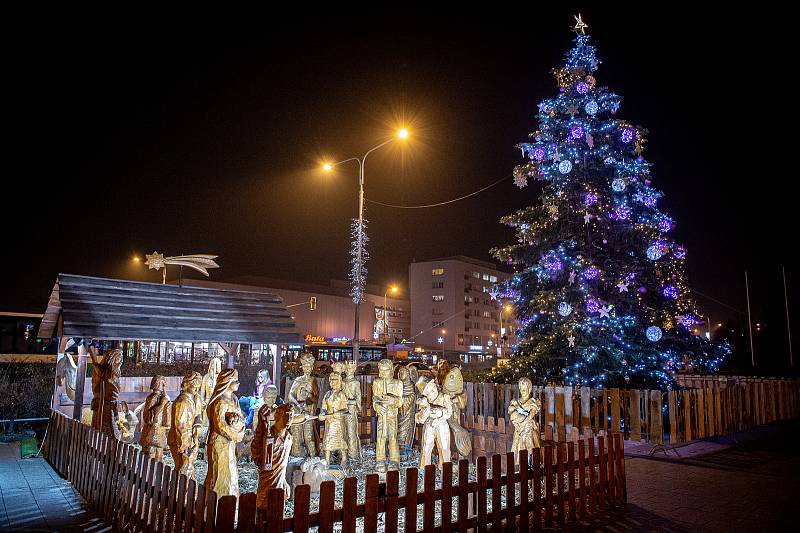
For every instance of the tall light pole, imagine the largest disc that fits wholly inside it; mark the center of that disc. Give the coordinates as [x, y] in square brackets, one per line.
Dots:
[393, 289]
[502, 308]
[358, 267]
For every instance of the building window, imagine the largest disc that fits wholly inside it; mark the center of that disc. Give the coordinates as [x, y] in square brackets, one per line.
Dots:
[438, 297]
[486, 277]
[438, 284]
[437, 271]
[460, 339]
[476, 275]
[487, 314]
[493, 279]
[468, 299]
[467, 325]
[485, 289]
[436, 311]
[437, 324]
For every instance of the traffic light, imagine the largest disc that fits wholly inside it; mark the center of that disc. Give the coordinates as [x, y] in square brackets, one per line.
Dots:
[312, 304]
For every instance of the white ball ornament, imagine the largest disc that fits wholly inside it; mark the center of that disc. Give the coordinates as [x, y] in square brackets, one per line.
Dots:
[653, 333]
[618, 185]
[565, 167]
[564, 309]
[654, 252]
[591, 107]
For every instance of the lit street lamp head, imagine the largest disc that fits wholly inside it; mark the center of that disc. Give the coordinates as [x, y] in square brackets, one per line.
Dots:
[402, 133]
[327, 167]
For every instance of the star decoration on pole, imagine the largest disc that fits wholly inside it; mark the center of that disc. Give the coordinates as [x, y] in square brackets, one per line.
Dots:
[589, 140]
[623, 286]
[580, 25]
[605, 310]
[586, 218]
[571, 341]
[571, 277]
[557, 156]
[572, 110]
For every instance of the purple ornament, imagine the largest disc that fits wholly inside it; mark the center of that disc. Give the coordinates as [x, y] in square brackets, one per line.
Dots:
[576, 132]
[582, 87]
[592, 306]
[626, 135]
[642, 290]
[590, 199]
[665, 225]
[553, 264]
[591, 273]
[622, 212]
[680, 252]
[670, 292]
[538, 153]
[649, 201]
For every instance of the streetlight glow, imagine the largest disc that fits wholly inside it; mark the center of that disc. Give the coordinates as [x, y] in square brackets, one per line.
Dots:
[327, 167]
[402, 133]
[136, 258]
[394, 289]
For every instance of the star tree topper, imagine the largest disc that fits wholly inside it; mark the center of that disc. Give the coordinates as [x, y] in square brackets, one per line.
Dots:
[580, 25]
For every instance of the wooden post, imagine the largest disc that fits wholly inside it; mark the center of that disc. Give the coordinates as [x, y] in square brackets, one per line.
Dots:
[277, 364]
[80, 383]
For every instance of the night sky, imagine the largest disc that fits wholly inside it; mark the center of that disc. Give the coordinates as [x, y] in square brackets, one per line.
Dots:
[205, 137]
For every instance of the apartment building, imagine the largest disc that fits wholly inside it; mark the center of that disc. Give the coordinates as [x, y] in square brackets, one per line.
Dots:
[452, 309]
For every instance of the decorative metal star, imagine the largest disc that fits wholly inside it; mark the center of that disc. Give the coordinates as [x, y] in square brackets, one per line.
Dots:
[571, 341]
[556, 156]
[623, 286]
[589, 140]
[605, 310]
[572, 110]
[580, 25]
[586, 218]
[571, 277]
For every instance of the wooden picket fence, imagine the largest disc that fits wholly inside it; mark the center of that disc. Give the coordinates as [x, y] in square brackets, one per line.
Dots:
[553, 485]
[719, 408]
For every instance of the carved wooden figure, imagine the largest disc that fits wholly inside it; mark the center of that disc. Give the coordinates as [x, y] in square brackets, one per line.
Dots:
[155, 419]
[333, 411]
[106, 372]
[387, 397]
[225, 429]
[352, 389]
[184, 433]
[523, 413]
[434, 412]
[304, 395]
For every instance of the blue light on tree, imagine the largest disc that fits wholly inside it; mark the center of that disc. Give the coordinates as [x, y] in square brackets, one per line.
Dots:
[564, 309]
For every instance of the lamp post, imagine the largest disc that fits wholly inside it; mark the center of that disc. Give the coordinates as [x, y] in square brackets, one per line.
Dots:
[502, 309]
[359, 265]
[393, 289]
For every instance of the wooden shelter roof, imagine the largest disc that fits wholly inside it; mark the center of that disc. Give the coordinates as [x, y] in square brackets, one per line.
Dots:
[114, 309]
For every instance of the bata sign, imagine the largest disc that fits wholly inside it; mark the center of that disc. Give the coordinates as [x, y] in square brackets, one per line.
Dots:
[315, 338]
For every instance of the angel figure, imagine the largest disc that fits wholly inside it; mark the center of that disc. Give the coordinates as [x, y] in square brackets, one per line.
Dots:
[523, 411]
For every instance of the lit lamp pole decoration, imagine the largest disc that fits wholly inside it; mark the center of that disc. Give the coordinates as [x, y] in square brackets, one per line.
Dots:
[503, 308]
[199, 262]
[393, 289]
[359, 239]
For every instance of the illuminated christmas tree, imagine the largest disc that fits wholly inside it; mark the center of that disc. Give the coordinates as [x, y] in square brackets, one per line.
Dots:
[599, 288]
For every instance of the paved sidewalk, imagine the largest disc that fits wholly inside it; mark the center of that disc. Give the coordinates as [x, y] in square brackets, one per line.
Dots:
[750, 482]
[33, 497]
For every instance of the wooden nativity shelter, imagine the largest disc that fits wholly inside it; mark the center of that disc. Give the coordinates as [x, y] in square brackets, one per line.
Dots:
[122, 310]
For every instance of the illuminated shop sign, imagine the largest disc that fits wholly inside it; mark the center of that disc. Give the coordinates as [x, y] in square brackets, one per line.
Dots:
[476, 348]
[315, 338]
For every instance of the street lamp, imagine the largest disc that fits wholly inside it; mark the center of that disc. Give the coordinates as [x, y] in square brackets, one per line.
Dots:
[506, 308]
[393, 289]
[359, 263]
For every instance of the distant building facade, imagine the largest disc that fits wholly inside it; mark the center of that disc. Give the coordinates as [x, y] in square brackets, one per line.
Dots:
[328, 328]
[452, 309]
